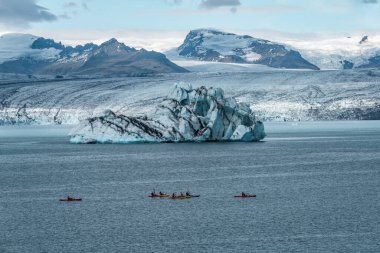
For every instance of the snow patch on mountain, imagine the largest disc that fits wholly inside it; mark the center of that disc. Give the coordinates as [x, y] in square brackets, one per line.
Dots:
[333, 53]
[202, 66]
[225, 43]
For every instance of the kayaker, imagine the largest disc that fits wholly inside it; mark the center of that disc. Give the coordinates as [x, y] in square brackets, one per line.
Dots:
[188, 194]
[162, 193]
[173, 195]
[243, 194]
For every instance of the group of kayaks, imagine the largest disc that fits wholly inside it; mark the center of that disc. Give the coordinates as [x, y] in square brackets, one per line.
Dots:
[69, 199]
[187, 195]
[153, 194]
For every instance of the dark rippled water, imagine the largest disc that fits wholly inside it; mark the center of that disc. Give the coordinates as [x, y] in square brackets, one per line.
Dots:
[317, 186]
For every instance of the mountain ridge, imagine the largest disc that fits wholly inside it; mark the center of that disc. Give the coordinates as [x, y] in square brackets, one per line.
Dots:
[30, 54]
[109, 58]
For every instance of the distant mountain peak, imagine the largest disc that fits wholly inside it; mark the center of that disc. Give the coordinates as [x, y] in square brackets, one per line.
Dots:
[218, 46]
[364, 39]
[113, 45]
[111, 42]
[42, 43]
[211, 31]
[39, 55]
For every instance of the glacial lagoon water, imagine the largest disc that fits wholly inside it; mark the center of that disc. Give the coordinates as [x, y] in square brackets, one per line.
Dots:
[317, 186]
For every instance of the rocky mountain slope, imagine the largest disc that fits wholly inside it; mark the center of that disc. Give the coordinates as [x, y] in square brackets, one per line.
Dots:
[29, 54]
[213, 45]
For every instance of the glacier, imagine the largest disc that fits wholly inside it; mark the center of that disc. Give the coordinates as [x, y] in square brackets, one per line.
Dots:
[273, 95]
[186, 114]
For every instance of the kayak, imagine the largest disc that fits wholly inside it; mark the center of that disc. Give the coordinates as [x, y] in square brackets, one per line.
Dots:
[71, 199]
[159, 196]
[195, 196]
[246, 196]
[181, 197]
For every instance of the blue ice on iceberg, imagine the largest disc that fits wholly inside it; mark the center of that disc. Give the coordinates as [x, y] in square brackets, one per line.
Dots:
[187, 114]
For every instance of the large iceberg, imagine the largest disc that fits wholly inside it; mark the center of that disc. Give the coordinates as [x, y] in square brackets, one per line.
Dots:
[187, 114]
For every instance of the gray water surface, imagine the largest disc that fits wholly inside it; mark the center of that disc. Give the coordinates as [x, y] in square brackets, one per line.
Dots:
[317, 186]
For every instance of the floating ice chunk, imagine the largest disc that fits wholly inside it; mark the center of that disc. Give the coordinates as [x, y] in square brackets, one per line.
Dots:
[187, 114]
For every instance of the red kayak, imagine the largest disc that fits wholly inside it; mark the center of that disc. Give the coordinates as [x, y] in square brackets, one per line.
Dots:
[246, 196]
[71, 199]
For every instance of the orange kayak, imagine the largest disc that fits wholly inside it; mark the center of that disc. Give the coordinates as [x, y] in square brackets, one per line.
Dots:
[159, 196]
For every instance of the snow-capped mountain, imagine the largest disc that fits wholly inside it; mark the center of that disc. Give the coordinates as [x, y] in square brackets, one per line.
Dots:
[212, 46]
[16, 45]
[28, 54]
[340, 52]
[217, 46]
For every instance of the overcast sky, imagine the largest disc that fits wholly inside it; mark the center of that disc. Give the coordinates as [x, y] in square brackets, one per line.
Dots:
[161, 23]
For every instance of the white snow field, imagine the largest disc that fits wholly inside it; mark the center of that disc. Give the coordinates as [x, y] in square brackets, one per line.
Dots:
[204, 66]
[16, 45]
[328, 53]
[273, 95]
